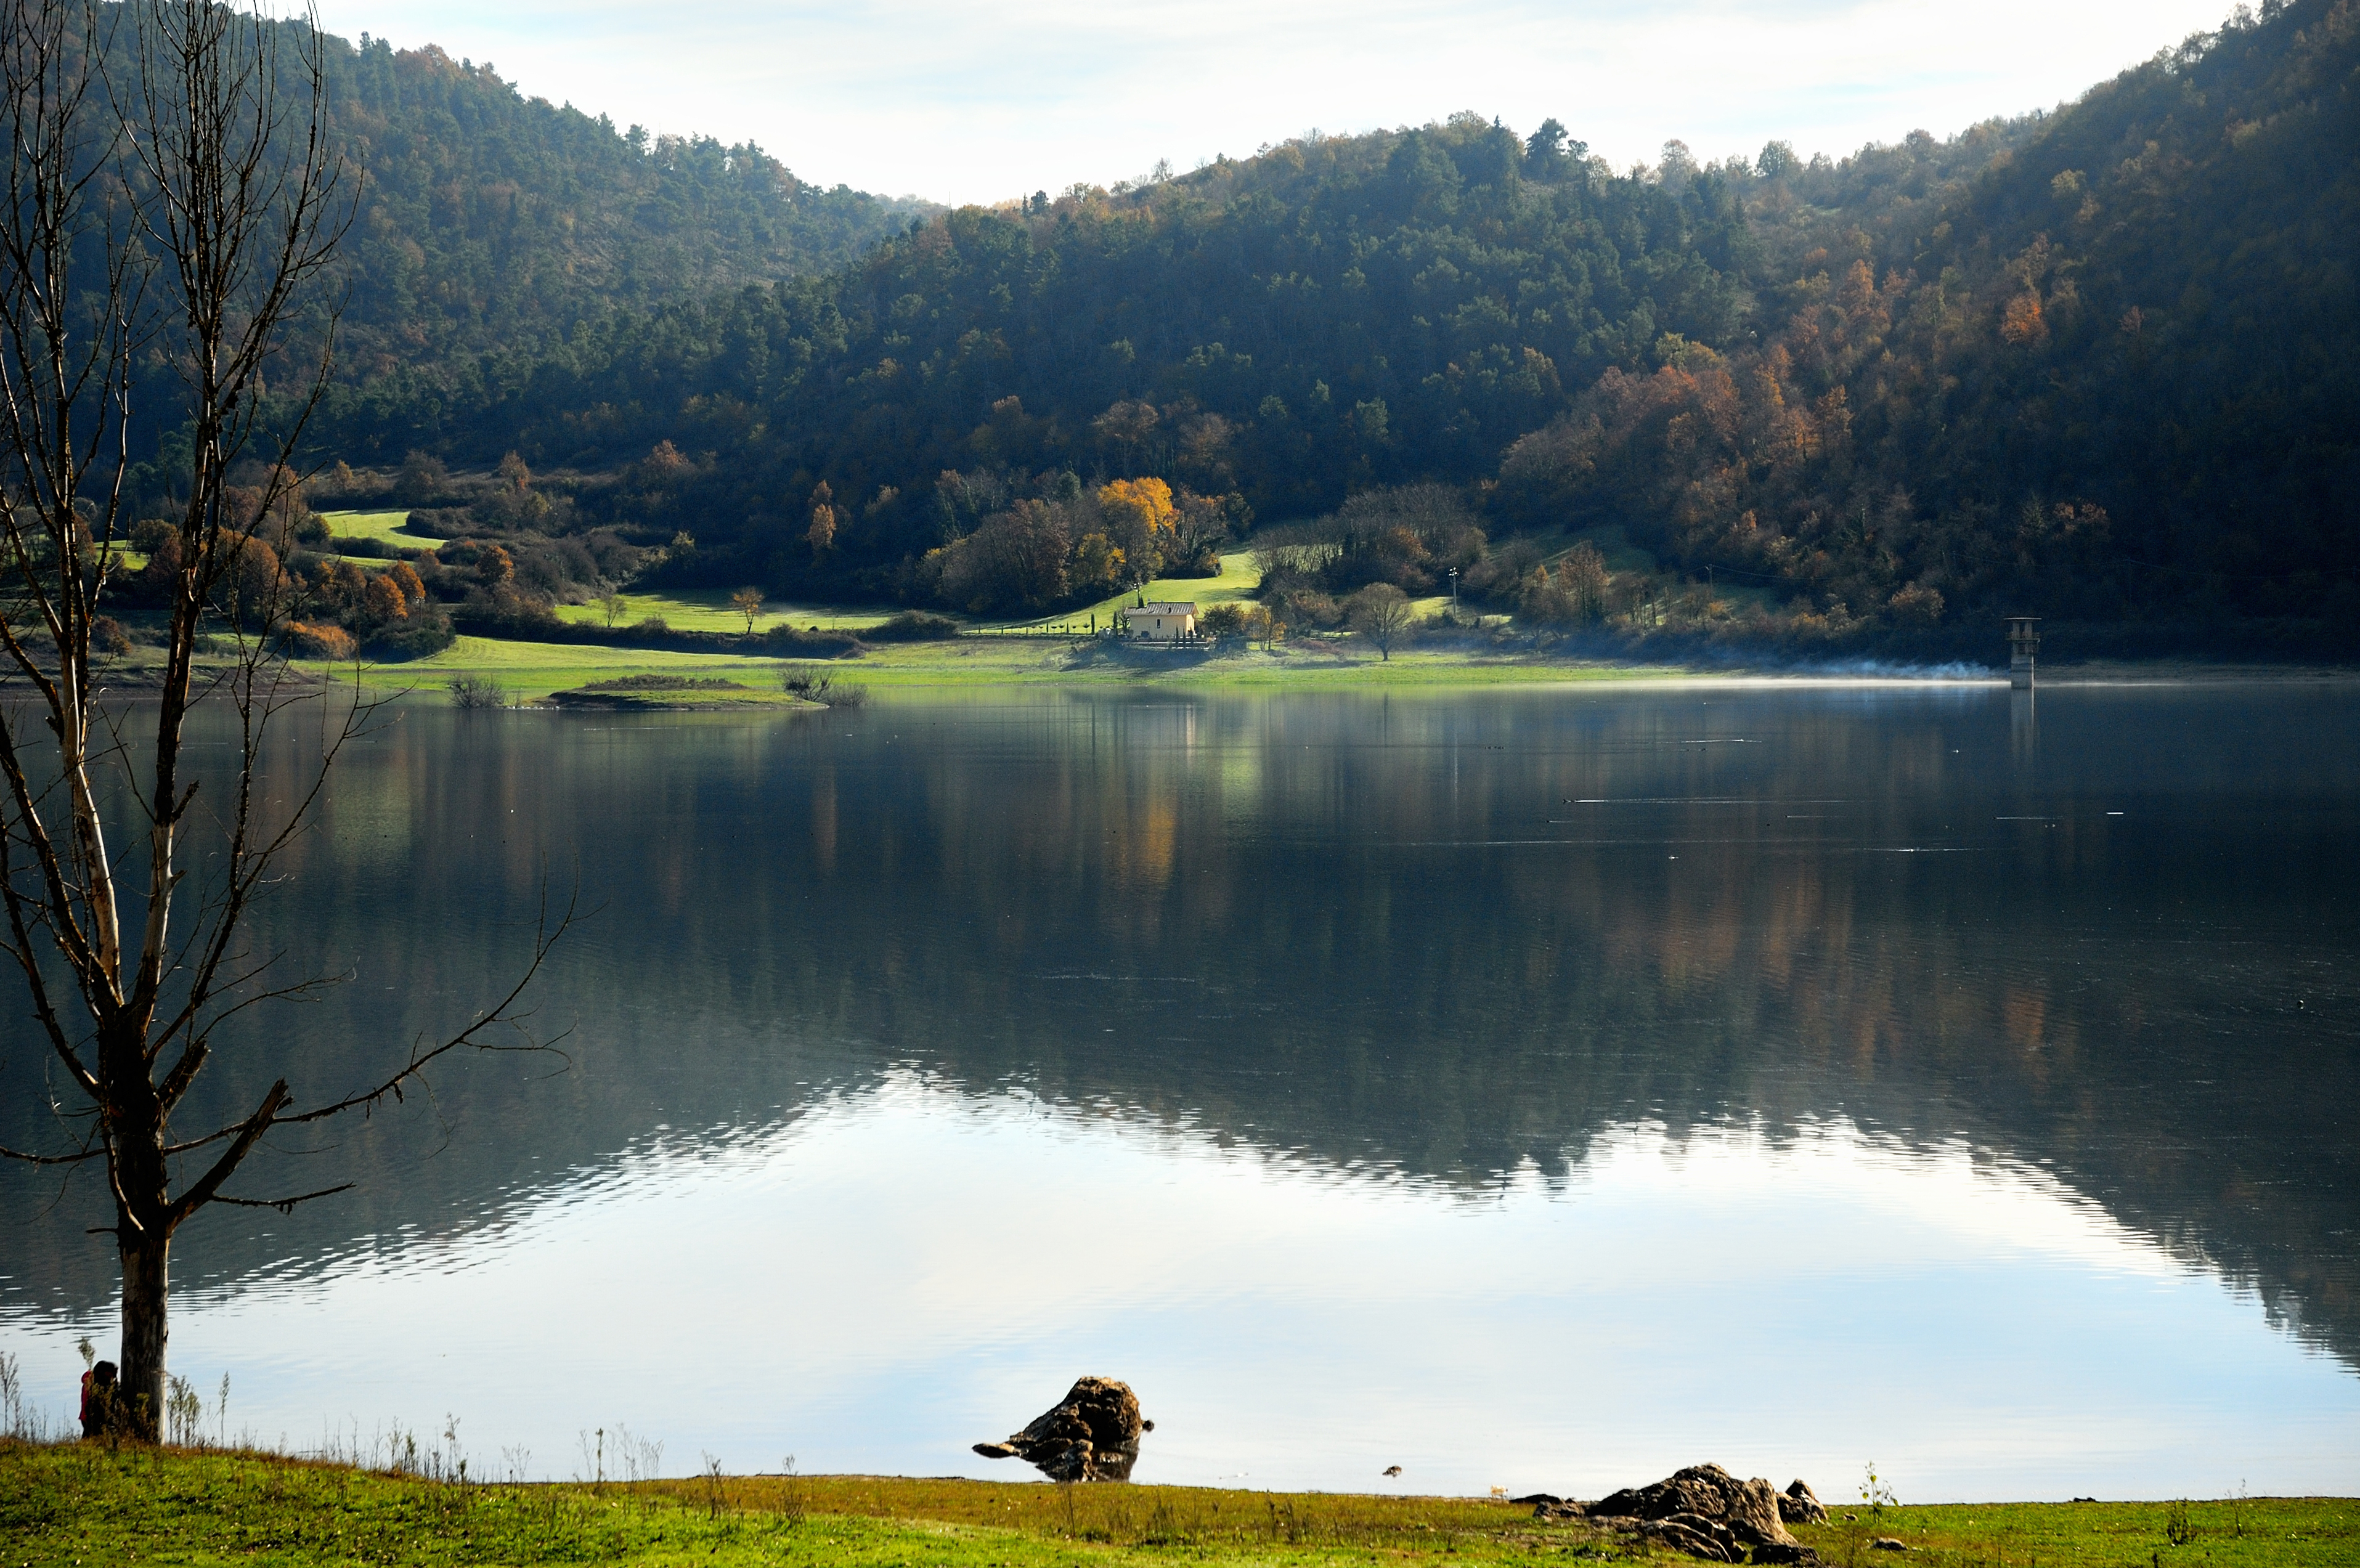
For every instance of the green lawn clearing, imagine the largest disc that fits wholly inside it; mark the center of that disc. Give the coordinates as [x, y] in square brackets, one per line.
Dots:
[1240, 575]
[387, 528]
[692, 610]
[531, 670]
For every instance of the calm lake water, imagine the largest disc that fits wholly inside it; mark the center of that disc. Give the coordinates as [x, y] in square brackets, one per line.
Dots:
[1540, 1090]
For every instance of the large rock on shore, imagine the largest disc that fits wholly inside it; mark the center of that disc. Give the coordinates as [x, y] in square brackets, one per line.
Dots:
[1092, 1435]
[1799, 1505]
[1705, 1512]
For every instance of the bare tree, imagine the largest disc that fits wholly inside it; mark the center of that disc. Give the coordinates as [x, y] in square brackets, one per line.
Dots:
[194, 164]
[1381, 612]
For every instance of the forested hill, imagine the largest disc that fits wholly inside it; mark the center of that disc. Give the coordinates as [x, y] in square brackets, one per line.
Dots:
[2116, 377]
[2096, 363]
[488, 219]
[488, 224]
[1347, 311]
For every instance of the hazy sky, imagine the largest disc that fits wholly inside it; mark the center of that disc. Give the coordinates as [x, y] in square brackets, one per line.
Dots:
[955, 101]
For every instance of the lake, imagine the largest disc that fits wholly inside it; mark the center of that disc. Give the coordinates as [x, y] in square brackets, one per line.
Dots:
[1539, 1089]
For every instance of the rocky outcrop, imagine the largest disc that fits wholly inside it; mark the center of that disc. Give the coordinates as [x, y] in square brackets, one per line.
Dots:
[1092, 1435]
[1705, 1512]
[1798, 1505]
[1749, 1508]
[1696, 1536]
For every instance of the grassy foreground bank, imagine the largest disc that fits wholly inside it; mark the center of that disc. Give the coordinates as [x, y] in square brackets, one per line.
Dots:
[81, 1504]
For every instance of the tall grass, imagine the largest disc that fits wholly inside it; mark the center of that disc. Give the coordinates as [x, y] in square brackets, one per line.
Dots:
[19, 1421]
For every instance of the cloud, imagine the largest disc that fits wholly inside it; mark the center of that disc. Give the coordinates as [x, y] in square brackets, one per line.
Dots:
[973, 103]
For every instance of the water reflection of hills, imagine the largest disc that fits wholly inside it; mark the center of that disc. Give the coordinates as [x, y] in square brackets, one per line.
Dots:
[1442, 935]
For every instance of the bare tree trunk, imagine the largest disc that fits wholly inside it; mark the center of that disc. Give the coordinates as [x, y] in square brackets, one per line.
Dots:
[146, 1262]
[240, 186]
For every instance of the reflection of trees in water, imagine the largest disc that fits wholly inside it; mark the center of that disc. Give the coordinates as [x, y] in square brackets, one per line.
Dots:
[1388, 933]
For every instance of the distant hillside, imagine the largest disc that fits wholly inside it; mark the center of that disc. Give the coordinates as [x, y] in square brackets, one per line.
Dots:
[2115, 378]
[1367, 309]
[488, 227]
[493, 221]
[2095, 365]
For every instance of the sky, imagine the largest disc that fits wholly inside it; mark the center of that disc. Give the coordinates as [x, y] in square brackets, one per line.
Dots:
[964, 103]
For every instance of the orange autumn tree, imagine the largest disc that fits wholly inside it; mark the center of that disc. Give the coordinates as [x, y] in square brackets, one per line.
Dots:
[822, 534]
[1141, 519]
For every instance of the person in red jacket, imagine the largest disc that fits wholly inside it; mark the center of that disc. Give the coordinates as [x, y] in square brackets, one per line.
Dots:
[98, 1399]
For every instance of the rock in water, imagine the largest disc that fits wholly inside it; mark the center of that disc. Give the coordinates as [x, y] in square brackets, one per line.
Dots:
[1798, 1505]
[1693, 1502]
[1091, 1435]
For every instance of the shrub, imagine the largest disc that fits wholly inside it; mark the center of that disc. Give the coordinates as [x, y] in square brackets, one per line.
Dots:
[322, 641]
[1306, 607]
[914, 625]
[413, 638]
[824, 690]
[502, 608]
[107, 635]
[786, 639]
[477, 692]
[1222, 620]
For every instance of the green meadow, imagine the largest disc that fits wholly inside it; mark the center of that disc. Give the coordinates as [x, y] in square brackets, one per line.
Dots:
[691, 610]
[74, 1505]
[528, 671]
[387, 528]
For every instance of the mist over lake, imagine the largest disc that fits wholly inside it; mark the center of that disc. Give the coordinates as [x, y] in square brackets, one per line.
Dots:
[1539, 1089]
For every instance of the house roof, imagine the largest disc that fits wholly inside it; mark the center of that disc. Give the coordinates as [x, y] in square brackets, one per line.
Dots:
[1163, 607]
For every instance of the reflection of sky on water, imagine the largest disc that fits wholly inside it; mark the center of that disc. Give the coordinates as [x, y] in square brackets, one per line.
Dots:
[1310, 1000]
[900, 1272]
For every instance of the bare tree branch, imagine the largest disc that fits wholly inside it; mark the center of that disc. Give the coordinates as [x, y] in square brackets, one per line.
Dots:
[7, 1153]
[284, 1205]
[414, 1070]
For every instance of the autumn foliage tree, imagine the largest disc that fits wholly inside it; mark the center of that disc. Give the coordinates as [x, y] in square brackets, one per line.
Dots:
[821, 534]
[1143, 522]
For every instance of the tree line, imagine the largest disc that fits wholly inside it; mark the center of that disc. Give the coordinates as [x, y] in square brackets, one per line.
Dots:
[2092, 364]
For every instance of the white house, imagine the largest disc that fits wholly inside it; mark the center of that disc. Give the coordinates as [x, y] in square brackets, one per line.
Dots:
[1161, 623]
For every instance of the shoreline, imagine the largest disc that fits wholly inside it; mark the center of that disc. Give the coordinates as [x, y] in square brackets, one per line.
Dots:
[530, 671]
